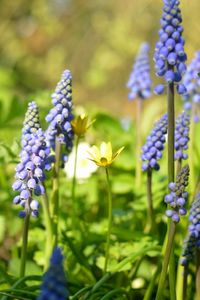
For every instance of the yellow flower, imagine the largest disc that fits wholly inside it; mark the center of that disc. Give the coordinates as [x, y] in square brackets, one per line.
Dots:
[80, 125]
[103, 156]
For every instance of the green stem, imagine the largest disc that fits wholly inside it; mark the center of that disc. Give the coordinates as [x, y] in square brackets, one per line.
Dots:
[181, 283]
[24, 245]
[163, 275]
[198, 274]
[55, 193]
[109, 220]
[73, 193]
[171, 128]
[138, 142]
[191, 154]
[185, 275]
[149, 290]
[178, 166]
[150, 209]
[170, 109]
[49, 228]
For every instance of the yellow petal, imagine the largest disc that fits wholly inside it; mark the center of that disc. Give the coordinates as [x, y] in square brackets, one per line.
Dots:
[109, 151]
[103, 149]
[95, 152]
[118, 152]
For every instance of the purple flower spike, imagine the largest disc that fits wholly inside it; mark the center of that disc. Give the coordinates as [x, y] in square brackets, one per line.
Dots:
[30, 170]
[177, 198]
[191, 81]
[54, 284]
[60, 116]
[139, 82]
[181, 136]
[169, 54]
[152, 150]
[192, 242]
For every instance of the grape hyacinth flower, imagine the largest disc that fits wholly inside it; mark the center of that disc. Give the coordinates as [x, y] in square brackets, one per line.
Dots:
[60, 116]
[177, 197]
[169, 54]
[54, 285]
[191, 80]
[182, 136]
[188, 252]
[192, 242]
[191, 248]
[140, 88]
[140, 82]
[152, 150]
[30, 172]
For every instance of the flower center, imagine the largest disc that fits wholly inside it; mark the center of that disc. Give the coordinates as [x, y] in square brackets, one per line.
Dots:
[103, 161]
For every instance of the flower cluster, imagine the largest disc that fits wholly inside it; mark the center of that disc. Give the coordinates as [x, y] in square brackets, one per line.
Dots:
[152, 150]
[54, 284]
[181, 136]
[30, 170]
[60, 116]
[191, 81]
[139, 82]
[169, 55]
[31, 121]
[193, 239]
[178, 196]
[188, 251]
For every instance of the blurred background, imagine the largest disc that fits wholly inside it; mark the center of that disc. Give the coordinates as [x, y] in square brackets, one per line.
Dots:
[96, 40]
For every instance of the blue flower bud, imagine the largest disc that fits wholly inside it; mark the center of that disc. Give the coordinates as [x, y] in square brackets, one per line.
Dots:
[152, 150]
[54, 285]
[170, 76]
[159, 89]
[176, 199]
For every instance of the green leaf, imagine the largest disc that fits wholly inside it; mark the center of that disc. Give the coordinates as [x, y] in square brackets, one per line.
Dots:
[122, 184]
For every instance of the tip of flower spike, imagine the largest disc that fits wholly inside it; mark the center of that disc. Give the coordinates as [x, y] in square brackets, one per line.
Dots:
[67, 74]
[145, 47]
[57, 256]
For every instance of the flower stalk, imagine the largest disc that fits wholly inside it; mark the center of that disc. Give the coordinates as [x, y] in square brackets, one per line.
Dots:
[74, 181]
[171, 129]
[150, 210]
[25, 240]
[198, 274]
[191, 154]
[163, 275]
[49, 228]
[109, 220]
[138, 142]
[55, 193]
